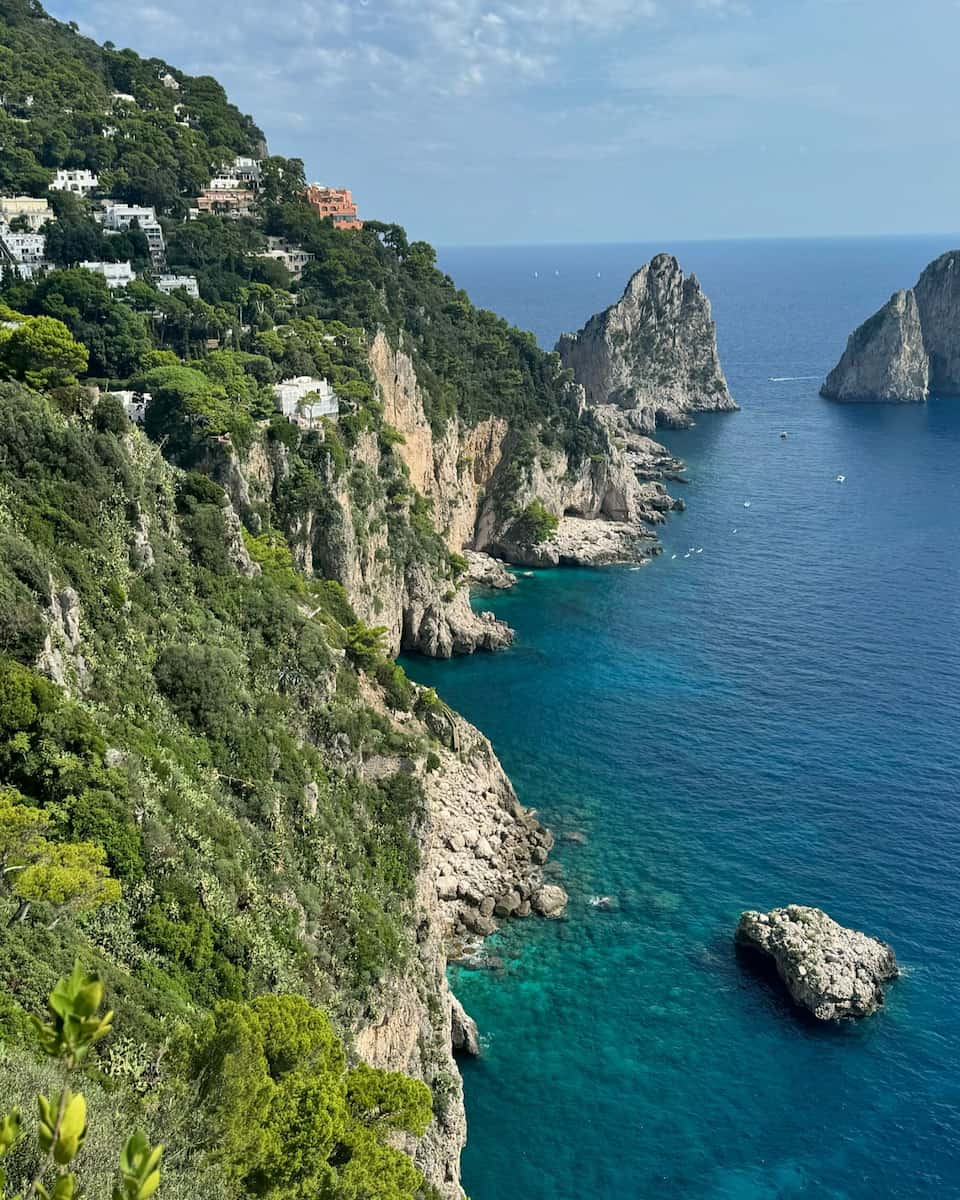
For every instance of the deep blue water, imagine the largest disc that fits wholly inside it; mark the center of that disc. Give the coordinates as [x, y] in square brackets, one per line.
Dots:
[773, 720]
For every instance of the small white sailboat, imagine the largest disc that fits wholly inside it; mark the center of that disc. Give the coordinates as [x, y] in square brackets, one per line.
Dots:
[841, 479]
[735, 530]
[746, 504]
[536, 274]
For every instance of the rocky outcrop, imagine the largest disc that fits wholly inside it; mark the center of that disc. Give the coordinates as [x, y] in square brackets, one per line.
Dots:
[910, 348]
[830, 970]
[62, 657]
[885, 359]
[488, 572]
[481, 863]
[653, 354]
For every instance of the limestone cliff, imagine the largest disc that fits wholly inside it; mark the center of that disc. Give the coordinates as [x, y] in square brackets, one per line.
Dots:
[480, 478]
[653, 354]
[481, 862]
[910, 348]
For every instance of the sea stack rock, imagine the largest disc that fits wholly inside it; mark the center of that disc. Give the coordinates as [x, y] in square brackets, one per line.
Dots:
[653, 354]
[910, 348]
[832, 971]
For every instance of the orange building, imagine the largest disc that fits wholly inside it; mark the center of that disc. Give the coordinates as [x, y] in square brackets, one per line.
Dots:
[336, 203]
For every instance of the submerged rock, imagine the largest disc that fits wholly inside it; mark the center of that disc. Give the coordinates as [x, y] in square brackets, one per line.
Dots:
[828, 969]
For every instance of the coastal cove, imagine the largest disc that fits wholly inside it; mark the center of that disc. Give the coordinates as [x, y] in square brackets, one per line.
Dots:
[771, 720]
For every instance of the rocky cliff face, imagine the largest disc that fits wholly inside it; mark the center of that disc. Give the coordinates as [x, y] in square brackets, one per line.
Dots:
[653, 354]
[481, 862]
[910, 348]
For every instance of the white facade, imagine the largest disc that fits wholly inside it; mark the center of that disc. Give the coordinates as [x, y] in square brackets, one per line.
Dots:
[247, 170]
[134, 404]
[168, 81]
[123, 97]
[294, 258]
[293, 395]
[117, 275]
[172, 283]
[34, 211]
[225, 183]
[79, 182]
[119, 217]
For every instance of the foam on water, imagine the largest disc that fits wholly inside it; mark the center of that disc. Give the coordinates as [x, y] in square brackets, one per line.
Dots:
[773, 720]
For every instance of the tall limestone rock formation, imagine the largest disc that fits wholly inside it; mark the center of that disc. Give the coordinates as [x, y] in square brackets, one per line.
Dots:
[910, 348]
[653, 354]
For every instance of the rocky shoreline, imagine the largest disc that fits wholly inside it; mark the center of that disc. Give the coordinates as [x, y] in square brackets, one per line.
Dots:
[482, 858]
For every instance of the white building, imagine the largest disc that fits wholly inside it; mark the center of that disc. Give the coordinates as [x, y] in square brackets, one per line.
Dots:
[79, 182]
[305, 400]
[117, 274]
[119, 217]
[35, 212]
[134, 404]
[25, 252]
[123, 98]
[170, 82]
[173, 283]
[293, 257]
[225, 183]
[247, 170]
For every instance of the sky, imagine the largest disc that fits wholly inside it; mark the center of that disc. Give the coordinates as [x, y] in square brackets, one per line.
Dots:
[498, 121]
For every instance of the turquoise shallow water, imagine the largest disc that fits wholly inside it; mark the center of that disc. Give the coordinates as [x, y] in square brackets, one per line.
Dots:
[773, 720]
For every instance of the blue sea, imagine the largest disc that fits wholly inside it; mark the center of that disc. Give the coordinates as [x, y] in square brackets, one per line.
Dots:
[774, 720]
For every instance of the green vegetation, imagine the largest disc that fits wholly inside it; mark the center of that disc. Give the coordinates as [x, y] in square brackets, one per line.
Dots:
[75, 1026]
[535, 524]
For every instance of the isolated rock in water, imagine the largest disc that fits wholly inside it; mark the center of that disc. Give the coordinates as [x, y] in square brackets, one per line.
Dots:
[654, 353]
[885, 359]
[549, 901]
[830, 970]
[910, 349]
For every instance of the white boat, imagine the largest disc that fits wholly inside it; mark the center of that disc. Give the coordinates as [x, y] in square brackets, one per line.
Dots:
[841, 479]
[784, 435]
[699, 549]
[746, 504]
[686, 555]
[673, 556]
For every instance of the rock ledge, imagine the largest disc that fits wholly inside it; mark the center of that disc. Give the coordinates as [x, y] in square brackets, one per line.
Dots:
[830, 970]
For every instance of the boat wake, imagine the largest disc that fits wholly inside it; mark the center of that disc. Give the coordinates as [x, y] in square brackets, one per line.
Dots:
[791, 378]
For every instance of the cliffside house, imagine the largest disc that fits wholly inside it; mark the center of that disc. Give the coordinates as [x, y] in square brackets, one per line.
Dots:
[226, 202]
[134, 404]
[122, 98]
[336, 203]
[305, 400]
[81, 183]
[116, 218]
[34, 211]
[170, 82]
[168, 284]
[293, 257]
[247, 170]
[24, 253]
[117, 274]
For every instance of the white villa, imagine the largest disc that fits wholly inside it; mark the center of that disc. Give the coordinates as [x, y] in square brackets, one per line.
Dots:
[134, 404]
[119, 217]
[23, 251]
[117, 274]
[79, 182]
[173, 283]
[293, 257]
[304, 400]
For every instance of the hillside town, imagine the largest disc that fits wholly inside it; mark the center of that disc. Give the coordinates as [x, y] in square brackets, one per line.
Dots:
[231, 194]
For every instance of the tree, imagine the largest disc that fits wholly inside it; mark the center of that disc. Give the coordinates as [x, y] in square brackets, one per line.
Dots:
[289, 1119]
[70, 878]
[43, 353]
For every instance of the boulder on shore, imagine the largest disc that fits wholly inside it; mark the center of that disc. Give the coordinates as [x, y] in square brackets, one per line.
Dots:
[549, 901]
[830, 970]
